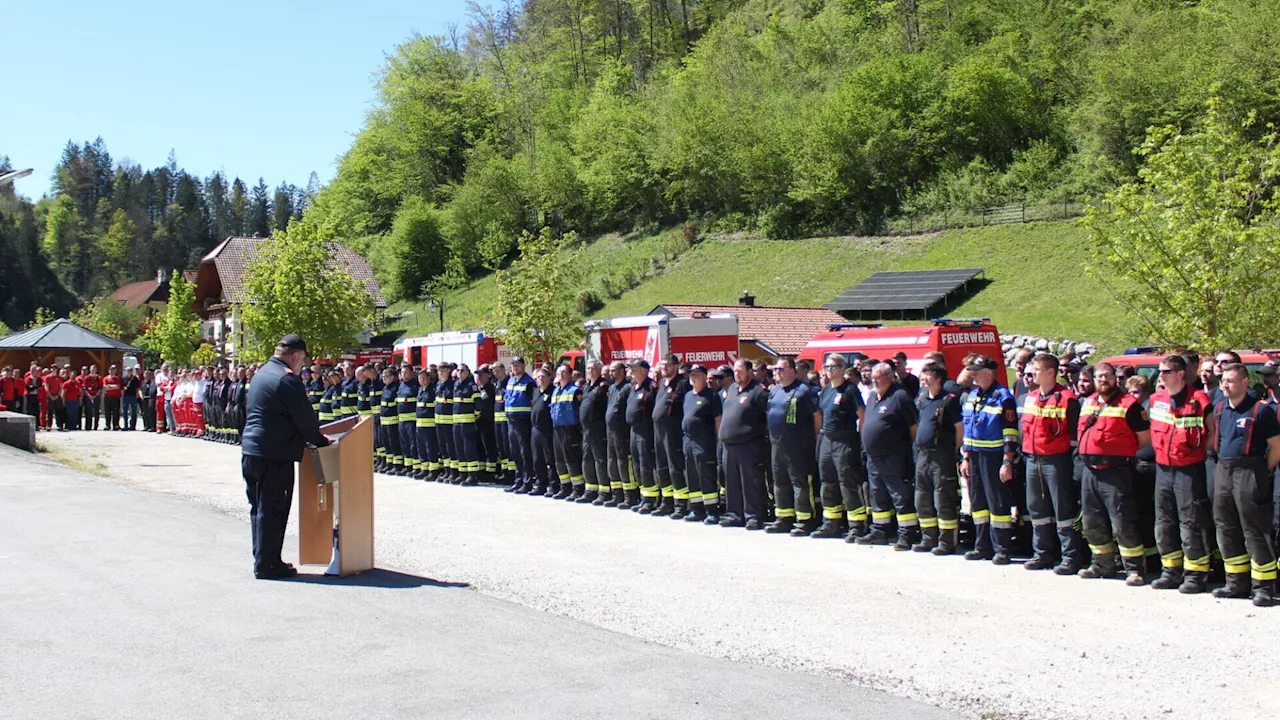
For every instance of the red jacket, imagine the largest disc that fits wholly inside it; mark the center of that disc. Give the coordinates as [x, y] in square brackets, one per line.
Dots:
[1104, 427]
[1045, 428]
[1178, 434]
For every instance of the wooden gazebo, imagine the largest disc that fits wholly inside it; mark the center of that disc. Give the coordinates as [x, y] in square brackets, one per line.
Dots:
[62, 342]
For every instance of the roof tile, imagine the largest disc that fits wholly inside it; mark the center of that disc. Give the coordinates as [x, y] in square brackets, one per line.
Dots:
[233, 255]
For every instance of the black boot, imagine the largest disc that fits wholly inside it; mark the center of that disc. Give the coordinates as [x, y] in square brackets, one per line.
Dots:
[565, 492]
[697, 513]
[1099, 569]
[946, 542]
[1170, 579]
[877, 536]
[681, 510]
[616, 498]
[1237, 587]
[928, 540]
[666, 508]
[630, 499]
[781, 525]
[805, 528]
[603, 498]
[1194, 583]
[1264, 594]
[907, 537]
[647, 504]
[830, 528]
[553, 489]
[1039, 562]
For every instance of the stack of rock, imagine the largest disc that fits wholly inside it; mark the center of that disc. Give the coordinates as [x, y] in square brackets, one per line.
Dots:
[1011, 344]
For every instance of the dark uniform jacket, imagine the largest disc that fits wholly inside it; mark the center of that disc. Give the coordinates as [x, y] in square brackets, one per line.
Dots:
[279, 421]
[595, 400]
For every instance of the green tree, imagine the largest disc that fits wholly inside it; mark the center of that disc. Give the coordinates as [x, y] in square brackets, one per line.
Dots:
[292, 286]
[419, 249]
[174, 333]
[110, 317]
[43, 317]
[203, 356]
[1191, 245]
[537, 297]
[4, 329]
[117, 247]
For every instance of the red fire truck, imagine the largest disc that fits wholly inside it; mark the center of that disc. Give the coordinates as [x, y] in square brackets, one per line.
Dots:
[706, 339]
[954, 338]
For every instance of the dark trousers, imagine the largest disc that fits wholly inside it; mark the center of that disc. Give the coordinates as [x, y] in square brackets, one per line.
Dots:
[147, 406]
[1242, 511]
[843, 474]
[89, 411]
[391, 436]
[33, 407]
[568, 451]
[426, 446]
[989, 503]
[891, 491]
[700, 471]
[487, 447]
[792, 458]
[111, 408]
[57, 412]
[744, 484]
[408, 431]
[1054, 504]
[73, 414]
[619, 459]
[269, 486]
[520, 438]
[669, 460]
[501, 435]
[131, 412]
[937, 488]
[444, 443]
[1183, 510]
[544, 458]
[1144, 497]
[642, 461]
[595, 459]
[1111, 517]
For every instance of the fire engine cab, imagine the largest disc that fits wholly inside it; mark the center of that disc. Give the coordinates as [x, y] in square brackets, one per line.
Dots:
[709, 339]
[954, 338]
[472, 348]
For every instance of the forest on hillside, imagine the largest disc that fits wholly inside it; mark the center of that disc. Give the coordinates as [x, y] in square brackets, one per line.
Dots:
[787, 117]
[105, 223]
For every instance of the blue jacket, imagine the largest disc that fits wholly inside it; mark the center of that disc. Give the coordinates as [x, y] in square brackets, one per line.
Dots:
[279, 421]
[990, 420]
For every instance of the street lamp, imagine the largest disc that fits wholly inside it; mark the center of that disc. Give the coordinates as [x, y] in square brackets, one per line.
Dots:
[438, 305]
[8, 177]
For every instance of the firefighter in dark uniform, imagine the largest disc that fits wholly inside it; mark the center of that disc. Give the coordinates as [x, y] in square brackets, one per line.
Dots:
[743, 425]
[839, 451]
[407, 417]
[350, 390]
[501, 432]
[375, 410]
[1050, 416]
[1112, 428]
[700, 423]
[937, 451]
[486, 428]
[279, 424]
[566, 399]
[425, 426]
[794, 422]
[595, 460]
[1247, 445]
[466, 443]
[518, 402]
[668, 408]
[888, 431]
[390, 421]
[239, 395]
[1181, 431]
[640, 420]
[625, 494]
[991, 444]
[315, 386]
[540, 437]
[325, 413]
[444, 423]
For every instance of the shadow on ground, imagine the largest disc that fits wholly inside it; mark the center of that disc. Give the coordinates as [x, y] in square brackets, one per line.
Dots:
[379, 578]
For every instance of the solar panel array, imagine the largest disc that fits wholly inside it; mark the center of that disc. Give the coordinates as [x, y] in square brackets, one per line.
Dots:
[914, 290]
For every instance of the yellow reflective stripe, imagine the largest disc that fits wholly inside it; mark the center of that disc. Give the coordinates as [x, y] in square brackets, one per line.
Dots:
[944, 524]
[1200, 565]
[1011, 432]
[1103, 549]
[1132, 552]
[926, 522]
[907, 517]
[877, 515]
[1264, 571]
[975, 442]
[1171, 560]
[833, 513]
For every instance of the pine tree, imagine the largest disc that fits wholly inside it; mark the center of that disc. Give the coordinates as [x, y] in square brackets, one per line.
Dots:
[282, 206]
[239, 209]
[260, 210]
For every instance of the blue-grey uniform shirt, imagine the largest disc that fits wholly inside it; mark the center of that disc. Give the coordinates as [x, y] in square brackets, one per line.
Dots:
[886, 427]
[1241, 422]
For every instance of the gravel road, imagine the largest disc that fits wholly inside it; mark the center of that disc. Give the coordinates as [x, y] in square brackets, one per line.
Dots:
[978, 639]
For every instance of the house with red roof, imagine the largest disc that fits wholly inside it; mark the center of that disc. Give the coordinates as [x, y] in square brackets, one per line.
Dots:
[764, 333]
[151, 294]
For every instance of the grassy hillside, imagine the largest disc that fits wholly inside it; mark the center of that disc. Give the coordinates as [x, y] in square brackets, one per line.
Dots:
[1037, 283]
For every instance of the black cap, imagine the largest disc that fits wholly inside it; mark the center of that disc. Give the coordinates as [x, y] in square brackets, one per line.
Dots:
[484, 368]
[517, 359]
[293, 342]
[982, 362]
[1267, 370]
[640, 363]
[697, 369]
[723, 371]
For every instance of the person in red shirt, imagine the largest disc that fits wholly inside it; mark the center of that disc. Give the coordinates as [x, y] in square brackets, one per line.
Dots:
[11, 389]
[91, 401]
[112, 390]
[71, 399]
[55, 409]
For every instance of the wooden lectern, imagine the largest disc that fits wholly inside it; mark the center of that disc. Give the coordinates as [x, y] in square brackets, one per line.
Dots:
[351, 492]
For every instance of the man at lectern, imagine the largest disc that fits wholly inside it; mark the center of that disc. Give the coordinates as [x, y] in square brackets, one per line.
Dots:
[279, 423]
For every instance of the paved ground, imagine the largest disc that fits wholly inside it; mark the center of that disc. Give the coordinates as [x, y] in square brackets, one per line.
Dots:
[124, 604]
[972, 638]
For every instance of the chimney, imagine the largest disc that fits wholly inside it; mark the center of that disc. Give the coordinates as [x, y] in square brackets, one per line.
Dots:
[747, 299]
[160, 276]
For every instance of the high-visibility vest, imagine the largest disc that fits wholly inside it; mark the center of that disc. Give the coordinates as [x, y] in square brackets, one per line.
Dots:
[1104, 431]
[1178, 435]
[986, 429]
[1044, 422]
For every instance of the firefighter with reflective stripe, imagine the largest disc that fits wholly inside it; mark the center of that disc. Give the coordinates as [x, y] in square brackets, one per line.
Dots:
[888, 431]
[390, 421]
[501, 431]
[350, 389]
[314, 383]
[699, 424]
[840, 453]
[937, 452]
[375, 407]
[668, 409]
[990, 446]
[595, 456]
[425, 426]
[1112, 428]
[625, 494]
[794, 422]
[566, 399]
[1050, 416]
[444, 424]
[640, 420]
[1181, 428]
[1247, 445]
[463, 413]
[518, 402]
[486, 440]
[325, 410]
[543, 465]
[407, 415]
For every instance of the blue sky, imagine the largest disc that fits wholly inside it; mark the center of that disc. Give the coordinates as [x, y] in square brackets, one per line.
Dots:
[270, 88]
